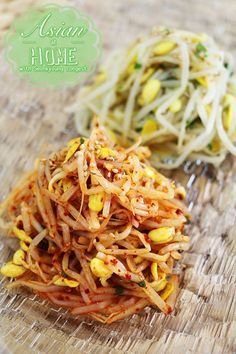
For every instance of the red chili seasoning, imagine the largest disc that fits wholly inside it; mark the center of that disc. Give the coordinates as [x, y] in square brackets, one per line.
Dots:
[179, 212]
[147, 239]
[114, 261]
[127, 276]
[86, 291]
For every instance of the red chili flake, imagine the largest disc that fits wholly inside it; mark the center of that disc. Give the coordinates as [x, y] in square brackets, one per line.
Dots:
[86, 291]
[147, 239]
[127, 276]
[169, 310]
[118, 270]
[179, 212]
[114, 261]
[106, 262]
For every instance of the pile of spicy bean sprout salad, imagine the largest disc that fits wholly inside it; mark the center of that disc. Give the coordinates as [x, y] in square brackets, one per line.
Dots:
[99, 230]
[175, 89]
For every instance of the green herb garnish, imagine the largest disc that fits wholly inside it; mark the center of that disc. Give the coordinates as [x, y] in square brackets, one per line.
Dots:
[200, 51]
[139, 129]
[190, 124]
[82, 140]
[196, 83]
[210, 146]
[119, 290]
[187, 217]
[227, 66]
[137, 66]
[142, 284]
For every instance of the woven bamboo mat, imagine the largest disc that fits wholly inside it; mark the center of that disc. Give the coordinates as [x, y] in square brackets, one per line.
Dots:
[33, 121]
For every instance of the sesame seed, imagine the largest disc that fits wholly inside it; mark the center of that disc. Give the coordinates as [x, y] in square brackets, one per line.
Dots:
[108, 166]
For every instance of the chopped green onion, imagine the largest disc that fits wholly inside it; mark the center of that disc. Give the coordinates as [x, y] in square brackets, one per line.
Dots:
[227, 66]
[200, 51]
[82, 140]
[188, 219]
[119, 290]
[190, 124]
[142, 284]
[139, 129]
[196, 83]
[137, 66]
[210, 146]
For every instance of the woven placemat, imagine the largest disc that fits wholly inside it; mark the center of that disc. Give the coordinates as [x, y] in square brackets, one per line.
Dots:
[33, 122]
